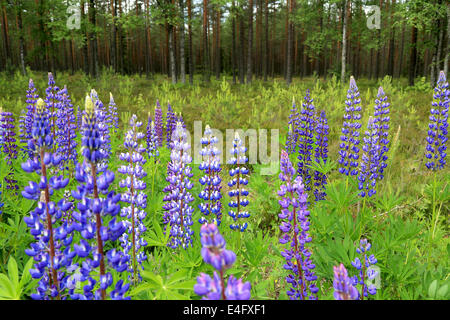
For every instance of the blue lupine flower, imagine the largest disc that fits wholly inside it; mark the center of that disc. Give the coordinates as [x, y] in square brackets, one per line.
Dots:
[368, 173]
[215, 254]
[365, 272]
[170, 124]
[305, 133]
[211, 195]
[343, 285]
[1, 203]
[178, 211]
[295, 226]
[32, 97]
[135, 197]
[9, 146]
[381, 125]
[349, 150]
[237, 185]
[92, 211]
[321, 153]
[53, 236]
[113, 118]
[438, 127]
[52, 99]
[152, 139]
[66, 131]
[103, 127]
[293, 124]
[159, 123]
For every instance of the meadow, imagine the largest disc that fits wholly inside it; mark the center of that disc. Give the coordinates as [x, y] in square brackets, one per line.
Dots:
[401, 231]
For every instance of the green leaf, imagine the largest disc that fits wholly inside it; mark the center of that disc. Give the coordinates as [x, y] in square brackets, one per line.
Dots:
[432, 289]
[13, 272]
[442, 292]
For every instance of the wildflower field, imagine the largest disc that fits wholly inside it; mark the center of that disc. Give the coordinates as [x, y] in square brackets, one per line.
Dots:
[102, 196]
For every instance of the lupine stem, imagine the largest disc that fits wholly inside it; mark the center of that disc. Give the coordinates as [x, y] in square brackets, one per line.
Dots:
[98, 225]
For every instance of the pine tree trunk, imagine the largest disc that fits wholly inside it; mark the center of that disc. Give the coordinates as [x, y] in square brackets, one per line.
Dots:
[289, 44]
[412, 56]
[191, 53]
[21, 40]
[182, 43]
[206, 76]
[250, 42]
[217, 45]
[344, 41]
[266, 40]
[233, 39]
[241, 51]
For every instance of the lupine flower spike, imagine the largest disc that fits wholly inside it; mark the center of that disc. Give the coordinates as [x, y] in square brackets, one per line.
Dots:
[438, 127]
[92, 210]
[321, 154]
[295, 226]
[51, 251]
[9, 146]
[170, 125]
[343, 285]
[159, 123]
[291, 143]
[237, 184]
[211, 195]
[349, 147]
[381, 125]
[305, 134]
[52, 100]
[365, 270]
[135, 197]
[368, 173]
[152, 139]
[113, 118]
[178, 215]
[215, 254]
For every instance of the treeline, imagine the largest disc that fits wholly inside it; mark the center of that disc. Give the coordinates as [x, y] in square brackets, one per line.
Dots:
[245, 39]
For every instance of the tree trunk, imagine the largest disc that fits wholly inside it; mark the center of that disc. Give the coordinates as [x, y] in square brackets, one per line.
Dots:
[191, 53]
[173, 69]
[182, 58]
[250, 42]
[233, 39]
[21, 40]
[206, 76]
[289, 43]
[266, 40]
[412, 56]
[344, 41]
[217, 45]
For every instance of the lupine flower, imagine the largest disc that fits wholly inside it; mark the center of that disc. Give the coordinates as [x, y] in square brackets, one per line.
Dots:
[368, 173]
[1, 203]
[343, 285]
[295, 226]
[365, 272]
[32, 97]
[293, 124]
[66, 131]
[9, 146]
[438, 127]
[170, 124]
[159, 123]
[51, 251]
[321, 153]
[103, 127]
[215, 254]
[23, 138]
[52, 98]
[178, 215]
[92, 213]
[135, 197]
[113, 118]
[381, 125]
[305, 132]
[237, 184]
[211, 195]
[349, 150]
[152, 139]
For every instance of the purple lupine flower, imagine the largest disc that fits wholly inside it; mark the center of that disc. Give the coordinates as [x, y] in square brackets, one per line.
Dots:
[295, 226]
[135, 197]
[343, 285]
[32, 97]
[237, 185]
[159, 123]
[365, 270]
[170, 124]
[1, 203]
[381, 125]
[178, 215]
[368, 171]
[52, 100]
[23, 137]
[349, 150]
[305, 132]
[211, 195]
[215, 254]
[66, 131]
[113, 118]
[92, 211]
[53, 236]
[438, 127]
[9, 146]
[321, 153]
[293, 124]
[152, 139]
[103, 127]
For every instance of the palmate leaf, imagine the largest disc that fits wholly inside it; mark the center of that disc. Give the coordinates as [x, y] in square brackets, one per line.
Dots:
[10, 286]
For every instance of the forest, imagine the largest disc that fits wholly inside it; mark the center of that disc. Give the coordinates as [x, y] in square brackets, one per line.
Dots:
[258, 150]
